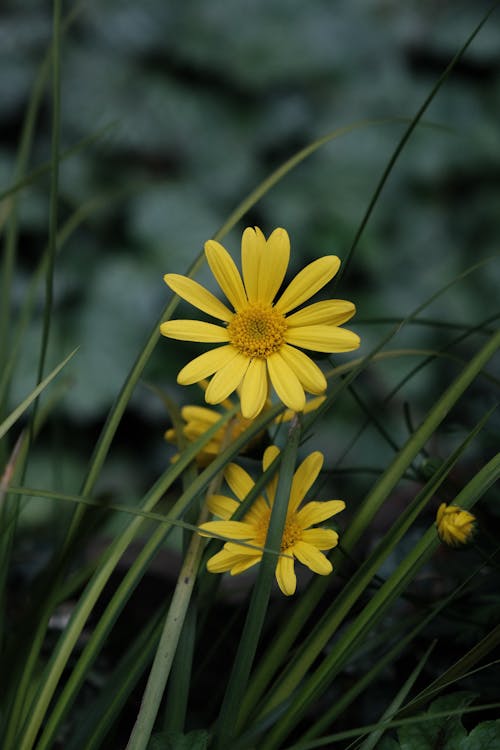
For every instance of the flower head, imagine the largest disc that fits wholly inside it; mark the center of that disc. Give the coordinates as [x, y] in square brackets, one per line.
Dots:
[299, 540]
[455, 526]
[198, 419]
[258, 335]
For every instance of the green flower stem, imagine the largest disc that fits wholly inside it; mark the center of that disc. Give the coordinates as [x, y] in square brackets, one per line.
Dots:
[237, 683]
[375, 610]
[174, 622]
[19, 410]
[277, 652]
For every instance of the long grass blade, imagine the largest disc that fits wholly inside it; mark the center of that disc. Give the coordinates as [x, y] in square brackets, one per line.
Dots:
[35, 393]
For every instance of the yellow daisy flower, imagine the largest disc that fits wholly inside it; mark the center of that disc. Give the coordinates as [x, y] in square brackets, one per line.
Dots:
[259, 337]
[455, 526]
[299, 540]
[198, 419]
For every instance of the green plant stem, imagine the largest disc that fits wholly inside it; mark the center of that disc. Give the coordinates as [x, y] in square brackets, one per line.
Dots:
[54, 186]
[278, 650]
[162, 664]
[257, 609]
[372, 613]
[174, 624]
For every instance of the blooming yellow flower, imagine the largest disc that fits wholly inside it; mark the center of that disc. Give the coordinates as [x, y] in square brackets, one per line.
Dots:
[455, 526]
[259, 337]
[299, 541]
[198, 419]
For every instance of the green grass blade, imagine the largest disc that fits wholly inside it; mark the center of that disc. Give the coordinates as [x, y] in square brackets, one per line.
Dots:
[334, 616]
[236, 685]
[96, 720]
[54, 186]
[406, 136]
[19, 410]
[415, 443]
[376, 608]
[63, 650]
[371, 504]
[387, 659]
[43, 169]
[180, 679]
[348, 734]
[372, 740]
[35, 714]
[457, 671]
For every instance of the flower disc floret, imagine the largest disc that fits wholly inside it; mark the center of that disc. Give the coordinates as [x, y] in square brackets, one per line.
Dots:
[257, 331]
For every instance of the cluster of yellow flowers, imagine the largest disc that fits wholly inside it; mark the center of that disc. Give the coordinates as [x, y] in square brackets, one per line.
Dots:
[261, 346]
[261, 341]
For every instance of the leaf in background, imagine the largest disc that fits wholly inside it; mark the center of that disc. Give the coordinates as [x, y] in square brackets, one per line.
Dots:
[438, 734]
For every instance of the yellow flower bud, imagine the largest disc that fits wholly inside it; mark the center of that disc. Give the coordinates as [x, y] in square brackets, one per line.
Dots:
[454, 525]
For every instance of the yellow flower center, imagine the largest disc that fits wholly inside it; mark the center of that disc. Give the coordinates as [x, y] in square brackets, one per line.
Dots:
[257, 331]
[292, 532]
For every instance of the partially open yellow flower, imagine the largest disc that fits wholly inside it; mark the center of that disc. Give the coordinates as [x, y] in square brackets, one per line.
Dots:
[259, 337]
[455, 526]
[198, 419]
[299, 541]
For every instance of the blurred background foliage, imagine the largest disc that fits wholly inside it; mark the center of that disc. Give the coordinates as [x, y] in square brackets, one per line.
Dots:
[200, 101]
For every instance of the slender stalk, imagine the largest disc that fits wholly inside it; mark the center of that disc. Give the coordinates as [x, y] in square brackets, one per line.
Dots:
[174, 623]
[150, 704]
[237, 684]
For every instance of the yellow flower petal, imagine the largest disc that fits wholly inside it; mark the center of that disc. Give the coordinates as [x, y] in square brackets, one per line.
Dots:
[313, 558]
[240, 567]
[285, 575]
[240, 482]
[222, 561]
[229, 529]
[254, 389]
[194, 429]
[315, 512]
[332, 311]
[310, 406]
[243, 551]
[305, 369]
[269, 455]
[304, 478]
[321, 538]
[226, 380]
[323, 338]
[194, 330]
[258, 513]
[286, 383]
[311, 279]
[197, 295]
[200, 414]
[222, 506]
[273, 265]
[227, 275]
[455, 525]
[206, 364]
[271, 452]
[253, 243]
